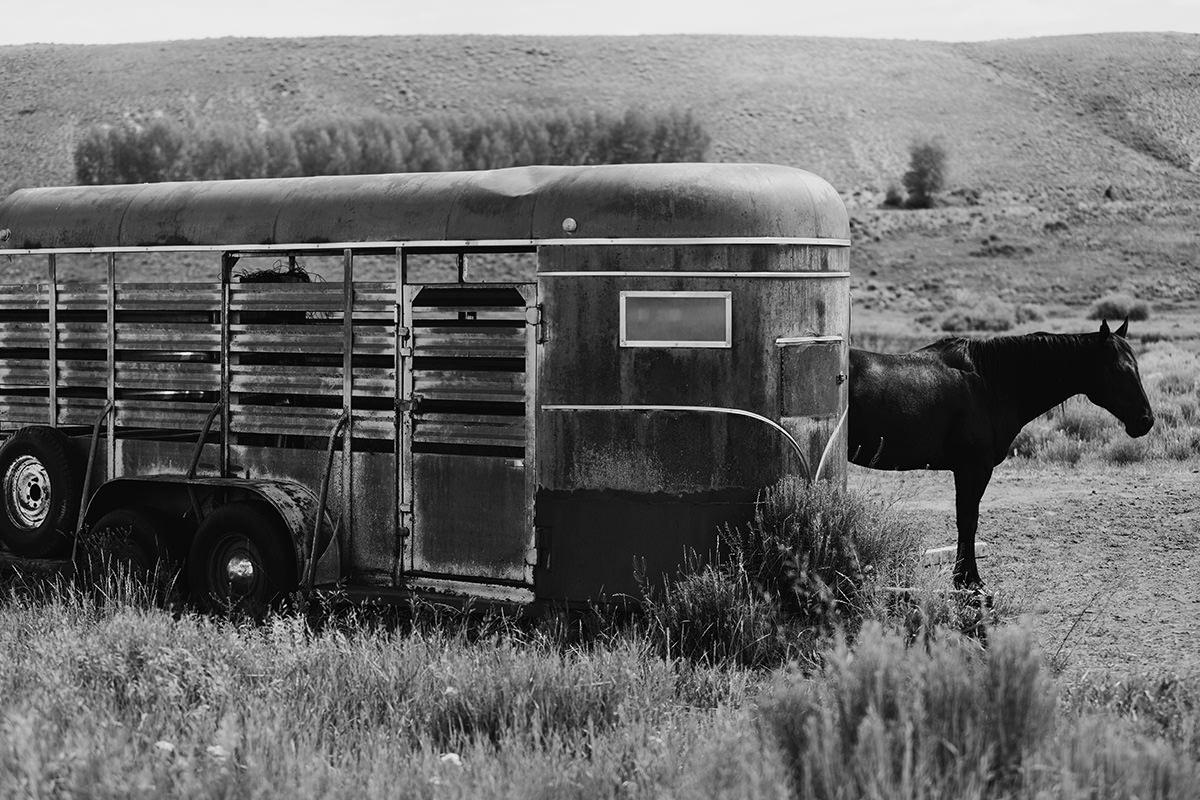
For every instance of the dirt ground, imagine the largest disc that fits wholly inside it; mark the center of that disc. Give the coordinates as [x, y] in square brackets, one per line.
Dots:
[1101, 560]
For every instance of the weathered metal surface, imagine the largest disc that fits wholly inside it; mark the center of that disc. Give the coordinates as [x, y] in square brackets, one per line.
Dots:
[470, 516]
[645, 200]
[618, 474]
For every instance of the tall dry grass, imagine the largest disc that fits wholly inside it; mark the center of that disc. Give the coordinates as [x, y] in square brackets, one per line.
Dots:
[105, 694]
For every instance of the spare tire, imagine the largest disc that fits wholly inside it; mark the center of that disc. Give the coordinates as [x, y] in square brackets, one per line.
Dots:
[41, 479]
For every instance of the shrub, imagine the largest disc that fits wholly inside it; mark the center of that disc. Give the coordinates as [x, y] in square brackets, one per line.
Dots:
[161, 150]
[1176, 383]
[1084, 421]
[1027, 312]
[1124, 451]
[989, 314]
[885, 719]
[1120, 306]
[805, 566]
[893, 197]
[1062, 450]
[1032, 439]
[926, 173]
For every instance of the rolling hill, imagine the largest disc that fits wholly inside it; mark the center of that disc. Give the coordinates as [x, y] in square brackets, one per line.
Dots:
[1030, 119]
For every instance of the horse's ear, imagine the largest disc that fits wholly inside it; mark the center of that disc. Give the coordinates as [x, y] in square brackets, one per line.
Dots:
[1104, 327]
[1124, 329]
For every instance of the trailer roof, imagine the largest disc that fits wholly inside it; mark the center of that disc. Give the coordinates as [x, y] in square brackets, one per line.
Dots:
[643, 201]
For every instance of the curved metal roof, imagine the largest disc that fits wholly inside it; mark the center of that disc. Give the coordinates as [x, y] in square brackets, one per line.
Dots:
[522, 203]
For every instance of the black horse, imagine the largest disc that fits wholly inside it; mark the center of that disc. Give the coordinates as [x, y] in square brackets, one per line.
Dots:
[959, 403]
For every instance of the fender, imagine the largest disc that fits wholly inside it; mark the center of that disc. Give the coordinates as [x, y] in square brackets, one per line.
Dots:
[294, 502]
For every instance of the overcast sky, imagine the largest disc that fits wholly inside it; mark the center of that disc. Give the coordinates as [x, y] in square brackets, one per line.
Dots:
[105, 21]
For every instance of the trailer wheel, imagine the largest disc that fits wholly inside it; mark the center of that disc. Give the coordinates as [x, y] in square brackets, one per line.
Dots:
[241, 560]
[133, 539]
[40, 481]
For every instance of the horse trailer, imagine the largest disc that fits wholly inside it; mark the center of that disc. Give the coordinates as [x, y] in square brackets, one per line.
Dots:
[511, 385]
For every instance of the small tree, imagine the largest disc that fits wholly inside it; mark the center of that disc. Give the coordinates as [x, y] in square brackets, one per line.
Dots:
[926, 173]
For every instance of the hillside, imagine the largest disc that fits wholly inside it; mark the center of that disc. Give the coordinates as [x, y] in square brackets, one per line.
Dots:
[1027, 118]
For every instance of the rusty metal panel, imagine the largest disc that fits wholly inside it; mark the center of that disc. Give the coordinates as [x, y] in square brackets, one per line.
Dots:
[79, 410]
[812, 377]
[506, 387]
[171, 376]
[447, 342]
[162, 413]
[24, 334]
[469, 516]
[23, 373]
[18, 411]
[24, 297]
[82, 296]
[476, 429]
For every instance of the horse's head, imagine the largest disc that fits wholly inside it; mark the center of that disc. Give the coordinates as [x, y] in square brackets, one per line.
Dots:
[1115, 384]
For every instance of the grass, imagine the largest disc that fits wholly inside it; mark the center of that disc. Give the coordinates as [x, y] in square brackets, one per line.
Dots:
[103, 694]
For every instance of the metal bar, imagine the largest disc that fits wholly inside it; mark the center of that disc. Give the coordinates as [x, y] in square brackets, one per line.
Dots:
[532, 334]
[407, 401]
[784, 340]
[52, 377]
[710, 273]
[87, 475]
[702, 409]
[227, 262]
[208, 421]
[401, 336]
[310, 568]
[111, 349]
[347, 396]
[444, 243]
[829, 446]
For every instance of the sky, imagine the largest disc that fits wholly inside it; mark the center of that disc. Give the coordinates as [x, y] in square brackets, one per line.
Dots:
[110, 21]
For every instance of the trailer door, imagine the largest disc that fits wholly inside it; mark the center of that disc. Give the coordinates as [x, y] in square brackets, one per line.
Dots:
[471, 431]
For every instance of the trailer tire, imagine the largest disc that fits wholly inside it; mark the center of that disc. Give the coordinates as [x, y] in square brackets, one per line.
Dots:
[241, 561]
[40, 482]
[137, 539]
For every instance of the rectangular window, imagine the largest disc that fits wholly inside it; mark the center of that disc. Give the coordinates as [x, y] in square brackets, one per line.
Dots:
[676, 319]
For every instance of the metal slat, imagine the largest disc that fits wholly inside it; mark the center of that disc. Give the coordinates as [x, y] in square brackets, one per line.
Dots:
[24, 334]
[317, 339]
[169, 414]
[24, 297]
[164, 336]
[298, 420]
[184, 376]
[169, 297]
[507, 387]
[82, 296]
[479, 429]
[24, 373]
[16, 412]
[324, 297]
[79, 410]
[436, 342]
[290, 379]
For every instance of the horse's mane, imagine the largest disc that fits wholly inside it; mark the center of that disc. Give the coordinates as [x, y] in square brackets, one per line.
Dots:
[1004, 354]
[1023, 353]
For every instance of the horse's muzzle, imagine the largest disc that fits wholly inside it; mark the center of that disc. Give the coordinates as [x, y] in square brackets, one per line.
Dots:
[1140, 426]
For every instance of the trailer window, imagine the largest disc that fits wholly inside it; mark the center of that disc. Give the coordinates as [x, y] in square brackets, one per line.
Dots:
[676, 319]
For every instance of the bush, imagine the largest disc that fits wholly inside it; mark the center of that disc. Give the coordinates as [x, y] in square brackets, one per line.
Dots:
[1084, 421]
[161, 150]
[989, 314]
[926, 173]
[893, 197]
[805, 566]
[1062, 450]
[1032, 439]
[1027, 312]
[885, 719]
[1124, 451]
[1120, 306]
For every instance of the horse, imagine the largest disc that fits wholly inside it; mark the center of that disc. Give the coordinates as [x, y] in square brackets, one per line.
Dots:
[958, 404]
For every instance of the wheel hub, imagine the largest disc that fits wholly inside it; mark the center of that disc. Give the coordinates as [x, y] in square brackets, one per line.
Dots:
[27, 492]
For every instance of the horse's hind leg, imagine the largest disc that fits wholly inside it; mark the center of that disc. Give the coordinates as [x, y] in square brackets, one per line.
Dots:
[969, 485]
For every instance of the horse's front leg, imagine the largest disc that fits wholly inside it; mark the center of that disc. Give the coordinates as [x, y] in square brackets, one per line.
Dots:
[969, 485]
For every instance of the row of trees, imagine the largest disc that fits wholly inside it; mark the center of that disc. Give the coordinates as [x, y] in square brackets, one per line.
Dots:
[163, 150]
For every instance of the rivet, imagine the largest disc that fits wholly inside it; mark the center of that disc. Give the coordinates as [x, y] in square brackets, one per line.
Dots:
[569, 225]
